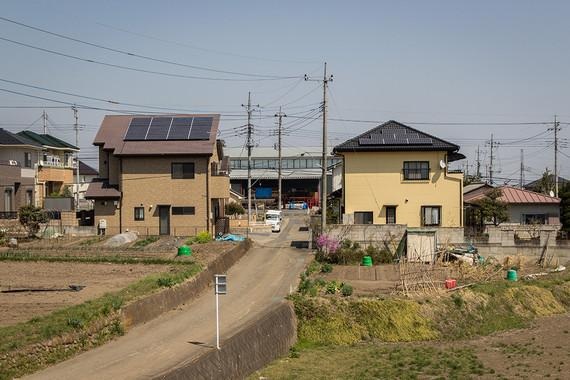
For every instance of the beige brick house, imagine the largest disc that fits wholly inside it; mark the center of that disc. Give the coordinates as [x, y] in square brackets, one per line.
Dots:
[160, 175]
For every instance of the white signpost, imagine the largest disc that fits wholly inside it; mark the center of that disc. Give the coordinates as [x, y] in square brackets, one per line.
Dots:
[220, 288]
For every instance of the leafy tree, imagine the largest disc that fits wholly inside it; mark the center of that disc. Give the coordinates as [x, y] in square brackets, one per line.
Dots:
[564, 195]
[545, 184]
[31, 217]
[234, 209]
[492, 208]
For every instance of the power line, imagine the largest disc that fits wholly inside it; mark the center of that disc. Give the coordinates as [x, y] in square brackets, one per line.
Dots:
[154, 59]
[135, 69]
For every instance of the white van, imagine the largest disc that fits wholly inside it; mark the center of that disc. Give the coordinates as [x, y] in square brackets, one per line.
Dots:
[273, 218]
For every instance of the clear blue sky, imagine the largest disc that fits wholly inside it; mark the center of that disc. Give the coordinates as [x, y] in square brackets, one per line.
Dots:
[414, 61]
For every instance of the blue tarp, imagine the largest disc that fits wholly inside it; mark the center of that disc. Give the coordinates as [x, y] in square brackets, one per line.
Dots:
[231, 237]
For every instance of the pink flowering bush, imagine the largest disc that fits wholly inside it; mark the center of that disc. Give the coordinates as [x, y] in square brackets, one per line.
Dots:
[327, 245]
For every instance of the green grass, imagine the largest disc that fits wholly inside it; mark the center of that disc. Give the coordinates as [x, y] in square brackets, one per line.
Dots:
[80, 319]
[375, 361]
[146, 241]
[115, 259]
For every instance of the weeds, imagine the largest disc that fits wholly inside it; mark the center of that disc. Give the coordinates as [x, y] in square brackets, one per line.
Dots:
[146, 241]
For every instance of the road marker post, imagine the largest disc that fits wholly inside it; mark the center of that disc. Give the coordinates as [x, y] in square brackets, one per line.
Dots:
[220, 287]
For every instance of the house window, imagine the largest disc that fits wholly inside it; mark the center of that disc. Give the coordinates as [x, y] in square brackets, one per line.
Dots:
[416, 170]
[363, 217]
[390, 214]
[27, 160]
[186, 210]
[534, 219]
[431, 215]
[29, 197]
[183, 170]
[8, 200]
[139, 213]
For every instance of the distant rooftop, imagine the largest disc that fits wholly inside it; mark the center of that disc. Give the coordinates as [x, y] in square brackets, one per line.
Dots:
[47, 141]
[13, 139]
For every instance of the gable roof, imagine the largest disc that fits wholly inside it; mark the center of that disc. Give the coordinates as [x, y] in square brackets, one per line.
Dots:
[47, 141]
[537, 182]
[114, 128]
[9, 138]
[395, 136]
[85, 169]
[514, 195]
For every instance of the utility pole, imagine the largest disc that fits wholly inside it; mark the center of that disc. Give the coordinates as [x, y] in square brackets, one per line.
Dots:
[478, 164]
[249, 144]
[491, 161]
[44, 118]
[76, 127]
[279, 115]
[522, 169]
[325, 81]
[556, 127]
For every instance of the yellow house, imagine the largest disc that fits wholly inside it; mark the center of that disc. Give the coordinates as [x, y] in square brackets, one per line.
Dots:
[395, 174]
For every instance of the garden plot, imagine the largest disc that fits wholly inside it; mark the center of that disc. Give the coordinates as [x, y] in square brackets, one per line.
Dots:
[98, 279]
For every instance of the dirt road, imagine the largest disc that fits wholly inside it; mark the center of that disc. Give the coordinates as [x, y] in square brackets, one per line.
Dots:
[264, 276]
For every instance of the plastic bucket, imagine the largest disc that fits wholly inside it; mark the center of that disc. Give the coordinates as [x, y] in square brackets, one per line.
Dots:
[184, 250]
[367, 261]
[512, 275]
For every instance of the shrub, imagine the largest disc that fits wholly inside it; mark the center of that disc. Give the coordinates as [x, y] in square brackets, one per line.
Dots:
[234, 209]
[346, 290]
[332, 287]
[379, 256]
[202, 238]
[327, 246]
[348, 253]
[31, 217]
[326, 268]
[165, 282]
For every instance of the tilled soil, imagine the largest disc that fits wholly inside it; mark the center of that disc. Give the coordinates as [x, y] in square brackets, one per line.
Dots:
[97, 279]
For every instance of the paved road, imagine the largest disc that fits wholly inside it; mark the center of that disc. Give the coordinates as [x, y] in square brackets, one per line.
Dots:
[262, 277]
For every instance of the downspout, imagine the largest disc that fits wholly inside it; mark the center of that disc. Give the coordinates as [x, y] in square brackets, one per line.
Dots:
[208, 194]
[460, 191]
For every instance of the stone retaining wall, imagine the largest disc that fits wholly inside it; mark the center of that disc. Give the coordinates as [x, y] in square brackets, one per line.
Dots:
[252, 348]
[152, 306]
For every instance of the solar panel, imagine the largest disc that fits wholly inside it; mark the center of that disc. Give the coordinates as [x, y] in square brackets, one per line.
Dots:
[180, 128]
[201, 128]
[159, 128]
[138, 128]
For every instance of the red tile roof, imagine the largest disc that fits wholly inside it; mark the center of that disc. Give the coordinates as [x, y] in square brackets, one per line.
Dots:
[513, 195]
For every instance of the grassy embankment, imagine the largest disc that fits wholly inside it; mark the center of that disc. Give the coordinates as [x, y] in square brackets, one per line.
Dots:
[45, 340]
[347, 337]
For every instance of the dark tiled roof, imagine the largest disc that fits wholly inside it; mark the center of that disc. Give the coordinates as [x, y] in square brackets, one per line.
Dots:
[114, 127]
[101, 190]
[47, 140]
[534, 185]
[395, 136]
[85, 169]
[9, 138]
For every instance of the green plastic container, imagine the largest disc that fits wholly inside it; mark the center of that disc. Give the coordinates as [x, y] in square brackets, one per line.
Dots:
[367, 261]
[184, 250]
[512, 275]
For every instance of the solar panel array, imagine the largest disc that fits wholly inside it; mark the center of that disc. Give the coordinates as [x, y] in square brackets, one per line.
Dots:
[163, 128]
[395, 137]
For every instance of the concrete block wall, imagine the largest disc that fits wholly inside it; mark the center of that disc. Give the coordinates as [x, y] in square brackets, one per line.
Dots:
[252, 348]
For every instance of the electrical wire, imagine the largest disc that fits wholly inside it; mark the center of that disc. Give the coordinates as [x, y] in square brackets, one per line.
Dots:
[135, 69]
[154, 59]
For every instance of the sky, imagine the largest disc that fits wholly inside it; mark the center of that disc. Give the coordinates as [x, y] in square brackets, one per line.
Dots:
[460, 70]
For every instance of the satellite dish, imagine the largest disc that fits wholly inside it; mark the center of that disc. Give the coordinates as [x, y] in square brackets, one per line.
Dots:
[551, 193]
[442, 164]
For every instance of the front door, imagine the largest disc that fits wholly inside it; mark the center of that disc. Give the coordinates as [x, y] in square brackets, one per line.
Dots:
[164, 220]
